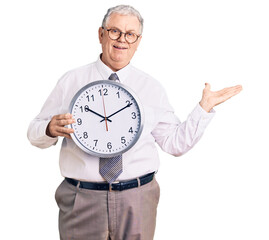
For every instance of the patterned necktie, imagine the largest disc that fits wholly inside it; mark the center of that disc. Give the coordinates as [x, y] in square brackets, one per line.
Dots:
[114, 77]
[111, 168]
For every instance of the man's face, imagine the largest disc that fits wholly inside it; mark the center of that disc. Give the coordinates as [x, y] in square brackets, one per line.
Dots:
[118, 53]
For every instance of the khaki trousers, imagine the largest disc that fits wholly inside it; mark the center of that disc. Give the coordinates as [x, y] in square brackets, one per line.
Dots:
[103, 215]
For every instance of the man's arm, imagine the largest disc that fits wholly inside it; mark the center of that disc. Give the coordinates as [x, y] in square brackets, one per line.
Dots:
[43, 133]
[177, 138]
[50, 123]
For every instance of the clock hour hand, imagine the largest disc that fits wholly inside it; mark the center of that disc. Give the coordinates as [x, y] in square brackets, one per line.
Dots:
[128, 105]
[87, 109]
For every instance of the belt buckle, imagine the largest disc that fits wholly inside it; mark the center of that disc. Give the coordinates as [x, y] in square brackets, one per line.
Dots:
[110, 186]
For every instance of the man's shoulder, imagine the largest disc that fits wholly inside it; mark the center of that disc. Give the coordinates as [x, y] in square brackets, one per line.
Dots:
[78, 72]
[141, 73]
[82, 69]
[146, 78]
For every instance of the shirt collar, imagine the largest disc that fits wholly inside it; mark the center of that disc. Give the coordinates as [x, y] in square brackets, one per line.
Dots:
[105, 71]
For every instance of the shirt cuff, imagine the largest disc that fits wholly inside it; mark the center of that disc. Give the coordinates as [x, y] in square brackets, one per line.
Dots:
[45, 140]
[199, 114]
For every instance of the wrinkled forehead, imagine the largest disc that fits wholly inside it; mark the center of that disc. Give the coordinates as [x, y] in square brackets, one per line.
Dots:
[124, 22]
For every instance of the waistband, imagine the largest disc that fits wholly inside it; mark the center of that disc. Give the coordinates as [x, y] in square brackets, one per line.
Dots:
[116, 186]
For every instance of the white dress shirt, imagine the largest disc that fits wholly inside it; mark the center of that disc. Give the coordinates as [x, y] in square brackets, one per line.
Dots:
[161, 125]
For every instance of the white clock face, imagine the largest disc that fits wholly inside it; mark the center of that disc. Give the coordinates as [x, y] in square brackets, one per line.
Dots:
[109, 118]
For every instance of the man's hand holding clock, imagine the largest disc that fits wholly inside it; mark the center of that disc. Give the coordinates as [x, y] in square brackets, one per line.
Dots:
[56, 127]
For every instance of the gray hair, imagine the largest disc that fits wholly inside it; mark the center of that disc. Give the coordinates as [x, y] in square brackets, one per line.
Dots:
[124, 10]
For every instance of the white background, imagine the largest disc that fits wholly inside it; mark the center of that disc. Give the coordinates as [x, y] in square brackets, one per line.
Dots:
[219, 190]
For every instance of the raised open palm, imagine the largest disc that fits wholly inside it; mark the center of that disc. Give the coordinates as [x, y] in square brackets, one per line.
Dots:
[211, 99]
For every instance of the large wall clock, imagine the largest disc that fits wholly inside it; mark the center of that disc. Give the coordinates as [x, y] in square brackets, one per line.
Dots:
[108, 118]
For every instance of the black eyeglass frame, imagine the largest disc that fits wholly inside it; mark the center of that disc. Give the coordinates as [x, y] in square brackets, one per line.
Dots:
[137, 36]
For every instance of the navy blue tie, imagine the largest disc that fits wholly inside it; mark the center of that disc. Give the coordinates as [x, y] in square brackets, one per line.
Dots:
[111, 168]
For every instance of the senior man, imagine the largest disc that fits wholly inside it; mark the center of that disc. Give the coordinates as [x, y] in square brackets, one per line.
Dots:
[85, 211]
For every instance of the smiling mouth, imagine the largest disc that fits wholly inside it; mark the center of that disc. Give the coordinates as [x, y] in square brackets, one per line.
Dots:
[119, 47]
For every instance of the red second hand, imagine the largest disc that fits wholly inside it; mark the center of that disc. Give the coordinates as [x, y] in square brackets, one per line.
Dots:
[104, 108]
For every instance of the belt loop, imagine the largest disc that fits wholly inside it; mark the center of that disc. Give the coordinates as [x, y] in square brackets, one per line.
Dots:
[138, 182]
[78, 184]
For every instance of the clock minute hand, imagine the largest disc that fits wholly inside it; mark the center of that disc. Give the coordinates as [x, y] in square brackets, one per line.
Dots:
[128, 105]
[89, 110]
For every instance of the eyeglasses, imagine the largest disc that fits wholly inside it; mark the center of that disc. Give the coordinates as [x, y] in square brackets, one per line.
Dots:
[115, 34]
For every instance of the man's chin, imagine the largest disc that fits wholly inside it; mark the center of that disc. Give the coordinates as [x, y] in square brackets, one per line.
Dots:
[118, 64]
[115, 61]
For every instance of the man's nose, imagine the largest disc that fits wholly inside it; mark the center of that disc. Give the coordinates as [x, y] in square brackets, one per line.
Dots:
[122, 38]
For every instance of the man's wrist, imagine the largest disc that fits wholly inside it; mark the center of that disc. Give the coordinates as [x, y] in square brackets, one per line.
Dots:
[204, 104]
[48, 131]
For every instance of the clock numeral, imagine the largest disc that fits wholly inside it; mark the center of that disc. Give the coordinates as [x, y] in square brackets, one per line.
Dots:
[85, 135]
[123, 140]
[128, 102]
[92, 97]
[133, 115]
[95, 144]
[79, 121]
[118, 93]
[86, 108]
[109, 146]
[104, 92]
[131, 130]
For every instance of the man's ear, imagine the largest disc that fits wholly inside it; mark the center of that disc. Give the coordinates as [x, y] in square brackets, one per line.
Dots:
[100, 34]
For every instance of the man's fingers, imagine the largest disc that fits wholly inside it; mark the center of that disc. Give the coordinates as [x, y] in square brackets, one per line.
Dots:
[236, 90]
[64, 135]
[64, 132]
[57, 124]
[63, 116]
[227, 93]
[207, 87]
[61, 132]
[231, 91]
[63, 119]
[63, 122]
